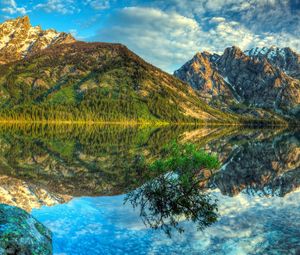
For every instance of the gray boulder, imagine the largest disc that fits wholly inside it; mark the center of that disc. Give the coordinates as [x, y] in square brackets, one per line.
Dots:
[21, 234]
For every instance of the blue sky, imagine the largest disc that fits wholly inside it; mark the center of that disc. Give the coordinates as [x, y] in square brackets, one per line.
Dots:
[168, 33]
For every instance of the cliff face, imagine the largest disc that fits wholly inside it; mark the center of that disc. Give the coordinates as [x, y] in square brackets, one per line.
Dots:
[254, 80]
[18, 39]
[259, 83]
[201, 73]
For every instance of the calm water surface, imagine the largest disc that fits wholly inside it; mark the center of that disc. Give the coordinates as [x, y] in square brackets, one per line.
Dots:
[74, 180]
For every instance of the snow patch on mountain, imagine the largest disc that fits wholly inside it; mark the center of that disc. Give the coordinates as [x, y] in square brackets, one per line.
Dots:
[19, 39]
[283, 58]
[271, 52]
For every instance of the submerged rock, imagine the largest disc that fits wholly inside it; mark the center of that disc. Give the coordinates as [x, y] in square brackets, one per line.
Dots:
[21, 234]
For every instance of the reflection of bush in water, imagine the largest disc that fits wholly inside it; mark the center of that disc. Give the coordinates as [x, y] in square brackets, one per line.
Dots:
[176, 193]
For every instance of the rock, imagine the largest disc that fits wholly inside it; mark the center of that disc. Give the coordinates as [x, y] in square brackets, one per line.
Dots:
[18, 39]
[284, 58]
[21, 234]
[202, 75]
[260, 84]
[262, 80]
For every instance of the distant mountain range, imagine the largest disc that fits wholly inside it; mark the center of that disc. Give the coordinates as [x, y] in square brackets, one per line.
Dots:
[261, 81]
[47, 75]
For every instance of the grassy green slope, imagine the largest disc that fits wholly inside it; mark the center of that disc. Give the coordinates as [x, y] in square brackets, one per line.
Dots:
[99, 82]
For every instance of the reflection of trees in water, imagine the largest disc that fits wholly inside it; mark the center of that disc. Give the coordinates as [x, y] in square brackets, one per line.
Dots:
[176, 193]
[94, 160]
[80, 159]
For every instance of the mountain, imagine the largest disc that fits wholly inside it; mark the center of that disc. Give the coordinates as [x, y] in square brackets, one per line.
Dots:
[18, 39]
[91, 81]
[201, 73]
[246, 82]
[284, 58]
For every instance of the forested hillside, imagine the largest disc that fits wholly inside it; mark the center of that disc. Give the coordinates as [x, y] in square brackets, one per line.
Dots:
[97, 82]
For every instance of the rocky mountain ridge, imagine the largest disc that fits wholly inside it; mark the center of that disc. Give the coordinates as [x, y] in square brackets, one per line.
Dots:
[284, 58]
[19, 39]
[252, 79]
[25, 196]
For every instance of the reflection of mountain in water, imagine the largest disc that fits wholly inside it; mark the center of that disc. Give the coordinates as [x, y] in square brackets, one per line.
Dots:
[50, 164]
[69, 161]
[23, 194]
[268, 166]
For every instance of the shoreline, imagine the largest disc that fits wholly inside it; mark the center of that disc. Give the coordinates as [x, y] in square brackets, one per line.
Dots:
[147, 123]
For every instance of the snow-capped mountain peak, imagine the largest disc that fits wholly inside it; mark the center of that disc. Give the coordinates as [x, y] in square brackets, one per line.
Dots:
[284, 58]
[19, 39]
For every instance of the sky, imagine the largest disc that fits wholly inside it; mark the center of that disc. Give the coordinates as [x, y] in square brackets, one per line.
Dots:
[167, 33]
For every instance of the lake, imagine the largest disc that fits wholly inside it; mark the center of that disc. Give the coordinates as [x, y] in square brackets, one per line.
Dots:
[77, 181]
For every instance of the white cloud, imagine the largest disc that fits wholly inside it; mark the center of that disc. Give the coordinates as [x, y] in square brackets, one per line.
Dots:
[257, 15]
[60, 6]
[168, 39]
[217, 20]
[228, 33]
[98, 4]
[192, 8]
[198, 7]
[168, 33]
[75, 34]
[12, 8]
[162, 38]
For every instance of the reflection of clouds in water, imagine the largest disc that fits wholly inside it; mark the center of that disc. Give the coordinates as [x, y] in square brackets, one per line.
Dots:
[254, 225]
[248, 225]
[117, 212]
